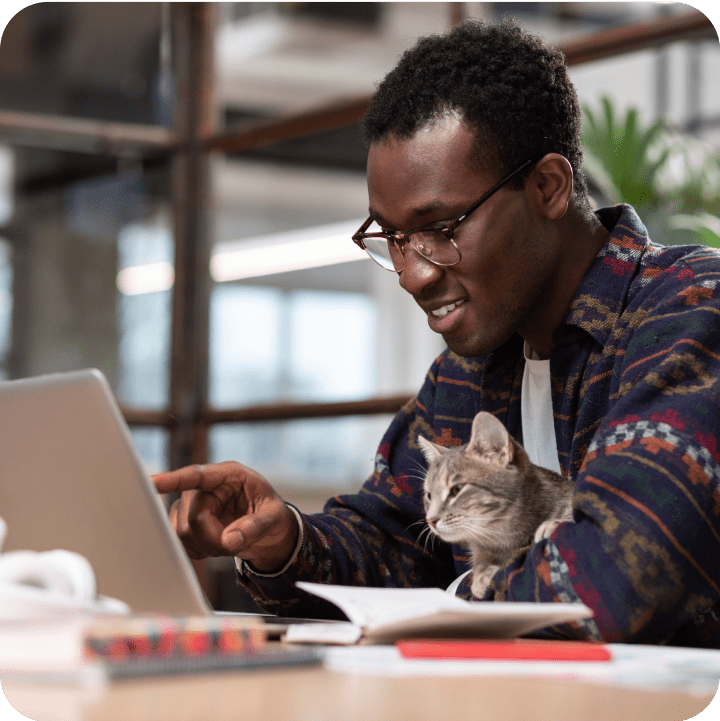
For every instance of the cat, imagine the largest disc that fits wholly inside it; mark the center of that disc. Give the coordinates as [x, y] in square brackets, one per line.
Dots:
[489, 497]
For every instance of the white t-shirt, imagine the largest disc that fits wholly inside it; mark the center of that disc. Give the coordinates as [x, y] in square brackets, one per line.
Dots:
[538, 426]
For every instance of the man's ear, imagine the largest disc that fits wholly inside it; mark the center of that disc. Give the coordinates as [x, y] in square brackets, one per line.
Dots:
[551, 185]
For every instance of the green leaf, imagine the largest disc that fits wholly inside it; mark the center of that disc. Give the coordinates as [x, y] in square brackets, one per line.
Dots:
[658, 171]
[710, 238]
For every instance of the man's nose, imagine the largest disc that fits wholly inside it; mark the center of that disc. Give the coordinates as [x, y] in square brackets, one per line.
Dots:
[418, 273]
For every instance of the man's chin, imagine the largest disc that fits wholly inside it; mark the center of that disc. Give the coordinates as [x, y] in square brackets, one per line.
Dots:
[472, 347]
[463, 348]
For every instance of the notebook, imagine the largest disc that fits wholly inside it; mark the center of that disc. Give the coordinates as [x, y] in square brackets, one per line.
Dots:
[71, 478]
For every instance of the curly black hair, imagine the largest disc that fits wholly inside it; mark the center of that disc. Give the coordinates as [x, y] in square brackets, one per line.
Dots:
[506, 84]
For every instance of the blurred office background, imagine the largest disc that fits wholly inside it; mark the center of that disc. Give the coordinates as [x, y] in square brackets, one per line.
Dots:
[179, 184]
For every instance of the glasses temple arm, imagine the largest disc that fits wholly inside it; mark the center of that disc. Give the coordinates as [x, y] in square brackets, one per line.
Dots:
[492, 190]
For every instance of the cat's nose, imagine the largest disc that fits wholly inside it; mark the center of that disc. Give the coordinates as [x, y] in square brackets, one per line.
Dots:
[432, 522]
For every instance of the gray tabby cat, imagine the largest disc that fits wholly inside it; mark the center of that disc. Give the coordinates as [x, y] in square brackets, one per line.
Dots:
[489, 497]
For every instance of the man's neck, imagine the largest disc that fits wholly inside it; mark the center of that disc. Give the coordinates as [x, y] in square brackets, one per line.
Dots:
[582, 239]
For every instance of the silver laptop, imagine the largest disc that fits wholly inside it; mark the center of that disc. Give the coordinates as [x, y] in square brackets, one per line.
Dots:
[70, 478]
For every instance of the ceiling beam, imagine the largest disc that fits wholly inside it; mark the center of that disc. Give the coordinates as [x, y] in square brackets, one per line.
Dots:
[617, 41]
[91, 136]
[639, 36]
[260, 133]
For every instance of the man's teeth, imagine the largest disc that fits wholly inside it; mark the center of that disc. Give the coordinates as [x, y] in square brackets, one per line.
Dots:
[442, 312]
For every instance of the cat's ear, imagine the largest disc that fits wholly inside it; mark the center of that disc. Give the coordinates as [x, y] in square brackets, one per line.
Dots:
[490, 439]
[430, 450]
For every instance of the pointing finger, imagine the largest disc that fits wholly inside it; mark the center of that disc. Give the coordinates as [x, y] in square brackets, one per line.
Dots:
[190, 478]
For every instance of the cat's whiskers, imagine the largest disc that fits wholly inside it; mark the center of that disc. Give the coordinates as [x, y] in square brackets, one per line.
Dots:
[486, 521]
[421, 522]
[483, 521]
[430, 537]
[418, 465]
[421, 470]
[417, 477]
[481, 525]
[423, 530]
[427, 536]
[486, 535]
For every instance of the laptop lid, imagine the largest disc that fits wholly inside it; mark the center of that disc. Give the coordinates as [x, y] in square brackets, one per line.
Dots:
[70, 478]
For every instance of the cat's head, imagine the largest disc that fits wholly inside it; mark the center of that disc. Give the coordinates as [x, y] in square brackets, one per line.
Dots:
[489, 441]
[470, 491]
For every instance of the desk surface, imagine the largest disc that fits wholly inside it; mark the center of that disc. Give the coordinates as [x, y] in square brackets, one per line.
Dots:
[322, 695]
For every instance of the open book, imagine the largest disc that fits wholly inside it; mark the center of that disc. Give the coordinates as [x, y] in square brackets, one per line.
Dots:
[385, 615]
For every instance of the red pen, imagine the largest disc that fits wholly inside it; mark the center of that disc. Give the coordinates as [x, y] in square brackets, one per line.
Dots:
[520, 649]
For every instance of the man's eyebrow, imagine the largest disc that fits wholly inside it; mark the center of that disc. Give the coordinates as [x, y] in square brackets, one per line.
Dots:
[419, 213]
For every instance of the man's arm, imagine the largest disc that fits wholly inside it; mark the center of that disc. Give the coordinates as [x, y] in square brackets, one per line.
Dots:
[372, 538]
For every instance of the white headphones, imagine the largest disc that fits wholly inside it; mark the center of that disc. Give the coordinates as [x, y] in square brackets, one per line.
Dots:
[42, 584]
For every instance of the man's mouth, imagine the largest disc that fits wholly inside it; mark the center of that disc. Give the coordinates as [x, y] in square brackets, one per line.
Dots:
[442, 312]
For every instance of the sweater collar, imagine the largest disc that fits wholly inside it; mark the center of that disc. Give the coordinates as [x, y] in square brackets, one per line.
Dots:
[602, 293]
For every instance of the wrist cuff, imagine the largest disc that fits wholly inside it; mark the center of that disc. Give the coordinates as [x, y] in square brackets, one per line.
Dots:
[245, 568]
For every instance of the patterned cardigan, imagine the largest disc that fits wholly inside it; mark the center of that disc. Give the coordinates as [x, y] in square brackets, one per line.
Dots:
[635, 374]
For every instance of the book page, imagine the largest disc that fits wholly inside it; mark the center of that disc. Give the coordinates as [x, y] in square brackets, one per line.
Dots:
[387, 614]
[369, 606]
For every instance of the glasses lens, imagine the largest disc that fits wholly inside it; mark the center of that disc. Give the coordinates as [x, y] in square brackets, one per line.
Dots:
[381, 250]
[435, 246]
[384, 253]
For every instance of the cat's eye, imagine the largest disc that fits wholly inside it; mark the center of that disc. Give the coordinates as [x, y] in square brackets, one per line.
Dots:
[454, 490]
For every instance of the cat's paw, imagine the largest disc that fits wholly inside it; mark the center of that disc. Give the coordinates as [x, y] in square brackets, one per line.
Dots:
[546, 529]
[481, 580]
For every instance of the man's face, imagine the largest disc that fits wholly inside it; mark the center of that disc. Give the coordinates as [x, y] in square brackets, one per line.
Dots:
[507, 268]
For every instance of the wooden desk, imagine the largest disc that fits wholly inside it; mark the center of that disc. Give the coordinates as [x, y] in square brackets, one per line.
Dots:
[317, 694]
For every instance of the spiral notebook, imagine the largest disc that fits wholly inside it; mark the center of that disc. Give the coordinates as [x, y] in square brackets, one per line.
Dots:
[90, 650]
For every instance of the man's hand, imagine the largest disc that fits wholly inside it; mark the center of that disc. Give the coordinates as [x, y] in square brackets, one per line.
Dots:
[227, 509]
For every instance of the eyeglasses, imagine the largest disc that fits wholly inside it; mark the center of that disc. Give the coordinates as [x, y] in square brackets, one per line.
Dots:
[435, 243]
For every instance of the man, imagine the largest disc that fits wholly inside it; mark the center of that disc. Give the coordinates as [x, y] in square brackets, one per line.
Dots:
[596, 347]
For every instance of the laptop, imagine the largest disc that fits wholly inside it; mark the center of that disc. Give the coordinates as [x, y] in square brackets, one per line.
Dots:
[71, 478]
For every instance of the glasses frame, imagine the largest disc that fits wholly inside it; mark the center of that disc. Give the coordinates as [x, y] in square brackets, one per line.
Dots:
[447, 228]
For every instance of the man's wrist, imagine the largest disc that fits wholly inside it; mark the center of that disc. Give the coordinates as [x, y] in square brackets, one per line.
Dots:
[244, 567]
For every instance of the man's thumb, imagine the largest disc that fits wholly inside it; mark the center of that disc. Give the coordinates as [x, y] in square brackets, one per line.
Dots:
[235, 537]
